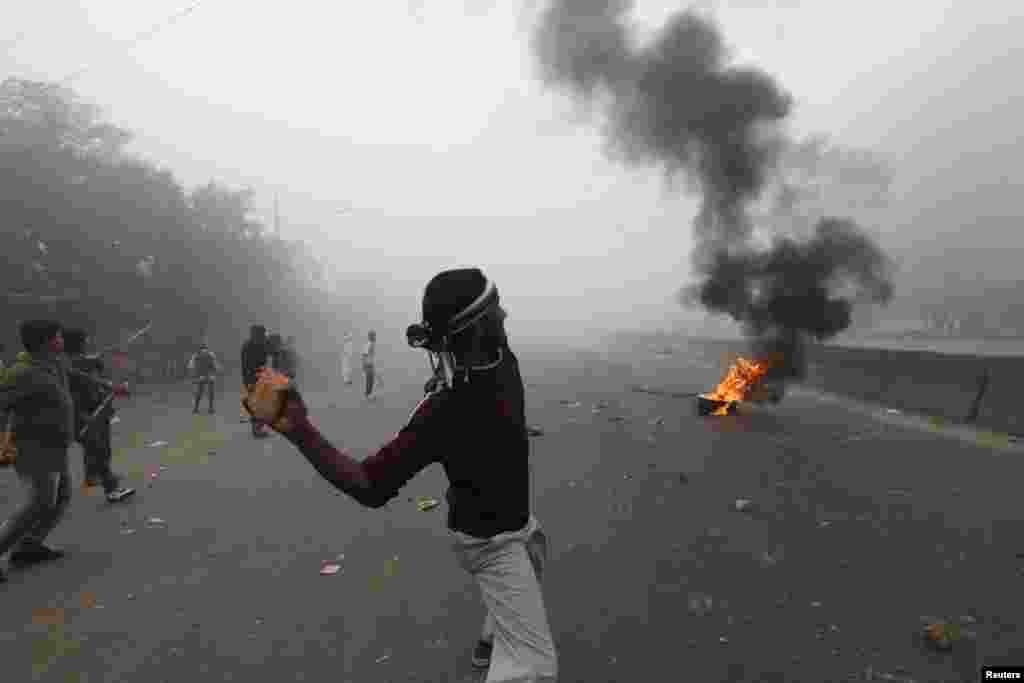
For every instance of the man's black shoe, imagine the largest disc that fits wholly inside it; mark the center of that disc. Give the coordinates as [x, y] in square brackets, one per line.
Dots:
[36, 554]
[482, 654]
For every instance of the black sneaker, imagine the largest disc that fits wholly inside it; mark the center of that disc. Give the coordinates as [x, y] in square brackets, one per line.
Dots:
[482, 654]
[36, 554]
[119, 494]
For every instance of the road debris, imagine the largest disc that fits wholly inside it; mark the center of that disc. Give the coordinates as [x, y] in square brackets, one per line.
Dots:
[330, 569]
[425, 504]
[381, 660]
[700, 604]
[157, 444]
[743, 505]
[871, 675]
[941, 635]
[48, 616]
[646, 389]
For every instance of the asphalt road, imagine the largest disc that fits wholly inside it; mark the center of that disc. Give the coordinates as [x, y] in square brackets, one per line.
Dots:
[859, 523]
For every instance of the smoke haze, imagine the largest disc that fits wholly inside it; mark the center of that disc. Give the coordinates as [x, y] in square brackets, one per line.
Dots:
[676, 102]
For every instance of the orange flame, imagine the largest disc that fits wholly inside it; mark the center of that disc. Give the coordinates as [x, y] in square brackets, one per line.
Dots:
[742, 379]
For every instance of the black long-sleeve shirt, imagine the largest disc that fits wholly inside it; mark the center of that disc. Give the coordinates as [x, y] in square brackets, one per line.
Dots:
[476, 432]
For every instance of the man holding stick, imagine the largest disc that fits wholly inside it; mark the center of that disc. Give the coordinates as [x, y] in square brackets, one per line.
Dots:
[473, 424]
[93, 412]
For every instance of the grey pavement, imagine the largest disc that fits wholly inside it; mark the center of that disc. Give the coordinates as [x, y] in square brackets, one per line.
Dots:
[859, 524]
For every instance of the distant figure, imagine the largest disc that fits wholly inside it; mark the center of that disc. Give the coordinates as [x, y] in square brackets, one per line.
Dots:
[369, 359]
[204, 368]
[255, 353]
[274, 344]
[348, 349]
[287, 359]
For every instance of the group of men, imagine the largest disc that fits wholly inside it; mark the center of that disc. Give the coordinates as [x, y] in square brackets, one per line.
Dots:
[259, 350]
[471, 422]
[52, 395]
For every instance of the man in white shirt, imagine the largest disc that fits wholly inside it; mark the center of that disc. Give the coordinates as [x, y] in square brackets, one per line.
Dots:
[369, 357]
[347, 351]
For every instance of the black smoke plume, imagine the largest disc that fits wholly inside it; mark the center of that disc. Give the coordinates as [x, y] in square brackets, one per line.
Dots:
[676, 102]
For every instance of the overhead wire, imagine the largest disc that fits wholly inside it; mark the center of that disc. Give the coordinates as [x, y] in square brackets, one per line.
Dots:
[139, 38]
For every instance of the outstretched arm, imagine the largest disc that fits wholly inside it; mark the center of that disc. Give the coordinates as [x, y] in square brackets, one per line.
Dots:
[377, 479]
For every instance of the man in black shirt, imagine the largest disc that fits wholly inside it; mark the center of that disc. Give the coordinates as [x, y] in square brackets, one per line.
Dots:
[255, 355]
[473, 424]
[90, 397]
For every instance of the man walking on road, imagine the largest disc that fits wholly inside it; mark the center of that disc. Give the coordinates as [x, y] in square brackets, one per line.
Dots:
[369, 357]
[204, 368]
[473, 423]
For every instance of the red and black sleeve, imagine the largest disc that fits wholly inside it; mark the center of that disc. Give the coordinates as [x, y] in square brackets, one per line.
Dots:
[378, 479]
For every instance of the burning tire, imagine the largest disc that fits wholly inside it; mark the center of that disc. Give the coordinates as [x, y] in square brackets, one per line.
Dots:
[708, 406]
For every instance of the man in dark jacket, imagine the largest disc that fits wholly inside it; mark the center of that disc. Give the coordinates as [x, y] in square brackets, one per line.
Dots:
[204, 368]
[36, 392]
[94, 408]
[255, 355]
[473, 424]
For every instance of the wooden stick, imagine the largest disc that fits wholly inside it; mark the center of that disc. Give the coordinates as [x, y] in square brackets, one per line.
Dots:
[665, 392]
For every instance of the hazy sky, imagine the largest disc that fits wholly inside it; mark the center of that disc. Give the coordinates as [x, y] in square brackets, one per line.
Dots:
[425, 121]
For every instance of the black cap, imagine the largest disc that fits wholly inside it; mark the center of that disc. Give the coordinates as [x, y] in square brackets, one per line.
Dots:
[452, 301]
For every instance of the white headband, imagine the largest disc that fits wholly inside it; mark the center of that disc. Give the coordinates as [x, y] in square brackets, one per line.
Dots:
[475, 310]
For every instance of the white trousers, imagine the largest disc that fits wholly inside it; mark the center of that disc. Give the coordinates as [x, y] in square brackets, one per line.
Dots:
[508, 569]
